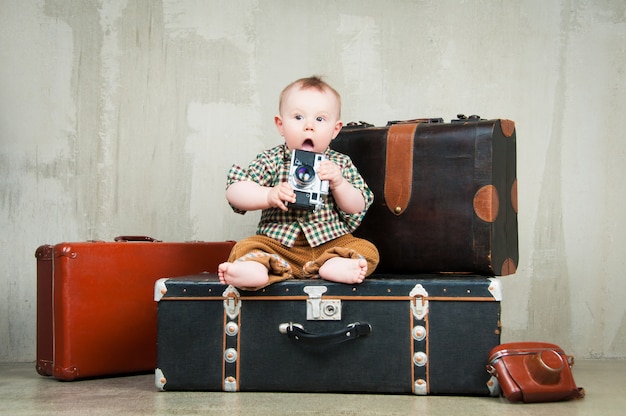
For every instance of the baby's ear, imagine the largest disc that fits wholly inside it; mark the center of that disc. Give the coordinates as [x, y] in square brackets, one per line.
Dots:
[338, 127]
[278, 121]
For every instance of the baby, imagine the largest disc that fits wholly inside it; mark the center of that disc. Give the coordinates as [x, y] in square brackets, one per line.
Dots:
[299, 243]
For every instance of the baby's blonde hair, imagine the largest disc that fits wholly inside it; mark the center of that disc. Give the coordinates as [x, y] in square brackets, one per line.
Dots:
[314, 81]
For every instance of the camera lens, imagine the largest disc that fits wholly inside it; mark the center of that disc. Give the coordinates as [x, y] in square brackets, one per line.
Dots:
[304, 175]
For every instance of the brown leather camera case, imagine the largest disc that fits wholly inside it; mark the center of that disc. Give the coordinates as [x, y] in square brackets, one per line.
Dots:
[533, 372]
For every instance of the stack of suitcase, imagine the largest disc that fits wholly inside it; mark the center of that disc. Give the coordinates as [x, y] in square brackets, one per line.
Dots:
[445, 222]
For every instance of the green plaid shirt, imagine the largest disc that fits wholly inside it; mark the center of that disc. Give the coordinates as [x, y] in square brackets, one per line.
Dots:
[328, 222]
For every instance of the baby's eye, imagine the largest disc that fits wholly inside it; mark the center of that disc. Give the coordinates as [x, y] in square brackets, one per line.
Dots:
[298, 117]
[320, 118]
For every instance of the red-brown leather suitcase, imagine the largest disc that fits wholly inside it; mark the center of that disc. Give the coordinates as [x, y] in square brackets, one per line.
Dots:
[445, 194]
[95, 310]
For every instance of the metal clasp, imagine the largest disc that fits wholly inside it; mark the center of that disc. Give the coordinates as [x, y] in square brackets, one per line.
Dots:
[419, 303]
[232, 305]
[318, 309]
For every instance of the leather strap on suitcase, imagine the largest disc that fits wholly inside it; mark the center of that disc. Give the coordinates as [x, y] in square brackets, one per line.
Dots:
[399, 167]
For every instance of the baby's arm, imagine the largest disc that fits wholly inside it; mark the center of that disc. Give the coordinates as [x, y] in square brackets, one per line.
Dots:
[250, 196]
[348, 198]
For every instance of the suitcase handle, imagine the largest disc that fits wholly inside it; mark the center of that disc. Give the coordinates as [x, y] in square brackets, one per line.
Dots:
[296, 332]
[430, 120]
[121, 238]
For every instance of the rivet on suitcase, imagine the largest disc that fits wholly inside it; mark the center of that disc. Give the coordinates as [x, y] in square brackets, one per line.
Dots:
[423, 335]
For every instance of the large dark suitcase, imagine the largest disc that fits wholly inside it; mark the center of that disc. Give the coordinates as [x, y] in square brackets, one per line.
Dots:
[424, 335]
[445, 194]
[95, 310]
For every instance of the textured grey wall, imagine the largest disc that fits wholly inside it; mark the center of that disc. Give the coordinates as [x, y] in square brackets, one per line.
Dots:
[122, 117]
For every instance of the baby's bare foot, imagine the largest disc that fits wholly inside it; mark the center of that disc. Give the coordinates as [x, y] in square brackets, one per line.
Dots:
[243, 274]
[342, 270]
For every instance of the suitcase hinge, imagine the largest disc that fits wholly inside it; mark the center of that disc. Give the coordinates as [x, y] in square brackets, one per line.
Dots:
[318, 309]
[232, 304]
[419, 303]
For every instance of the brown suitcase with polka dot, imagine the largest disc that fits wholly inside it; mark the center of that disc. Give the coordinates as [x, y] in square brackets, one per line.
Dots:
[445, 194]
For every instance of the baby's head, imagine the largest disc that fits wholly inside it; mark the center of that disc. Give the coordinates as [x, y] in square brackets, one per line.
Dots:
[309, 114]
[315, 82]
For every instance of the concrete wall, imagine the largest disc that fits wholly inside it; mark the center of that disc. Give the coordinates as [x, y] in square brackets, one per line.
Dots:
[122, 117]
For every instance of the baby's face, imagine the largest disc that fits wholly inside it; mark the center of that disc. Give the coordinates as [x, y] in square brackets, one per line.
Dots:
[309, 119]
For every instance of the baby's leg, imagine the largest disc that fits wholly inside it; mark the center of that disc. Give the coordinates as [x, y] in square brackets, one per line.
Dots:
[346, 259]
[344, 270]
[253, 270]
[243, 274]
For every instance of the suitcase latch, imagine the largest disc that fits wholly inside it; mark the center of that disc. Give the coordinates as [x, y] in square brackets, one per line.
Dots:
[419, 303]
[318, 309]
[232, 304]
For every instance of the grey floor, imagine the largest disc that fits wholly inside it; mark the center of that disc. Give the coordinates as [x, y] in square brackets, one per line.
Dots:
[24, 392]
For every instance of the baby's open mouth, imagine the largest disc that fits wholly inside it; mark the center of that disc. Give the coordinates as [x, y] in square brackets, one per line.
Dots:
[307, 145]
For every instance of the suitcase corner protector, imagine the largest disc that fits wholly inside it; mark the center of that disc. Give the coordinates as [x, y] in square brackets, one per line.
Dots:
[44, 252]
[43, 367]
[495, 288]
[66, 373]
[159, 379]
[160, 288]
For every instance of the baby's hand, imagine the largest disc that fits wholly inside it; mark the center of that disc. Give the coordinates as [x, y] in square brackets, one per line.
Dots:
[279, 195]
[329, 171]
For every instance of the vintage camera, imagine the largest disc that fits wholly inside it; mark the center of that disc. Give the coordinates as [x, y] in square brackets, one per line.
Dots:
[310, 190]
